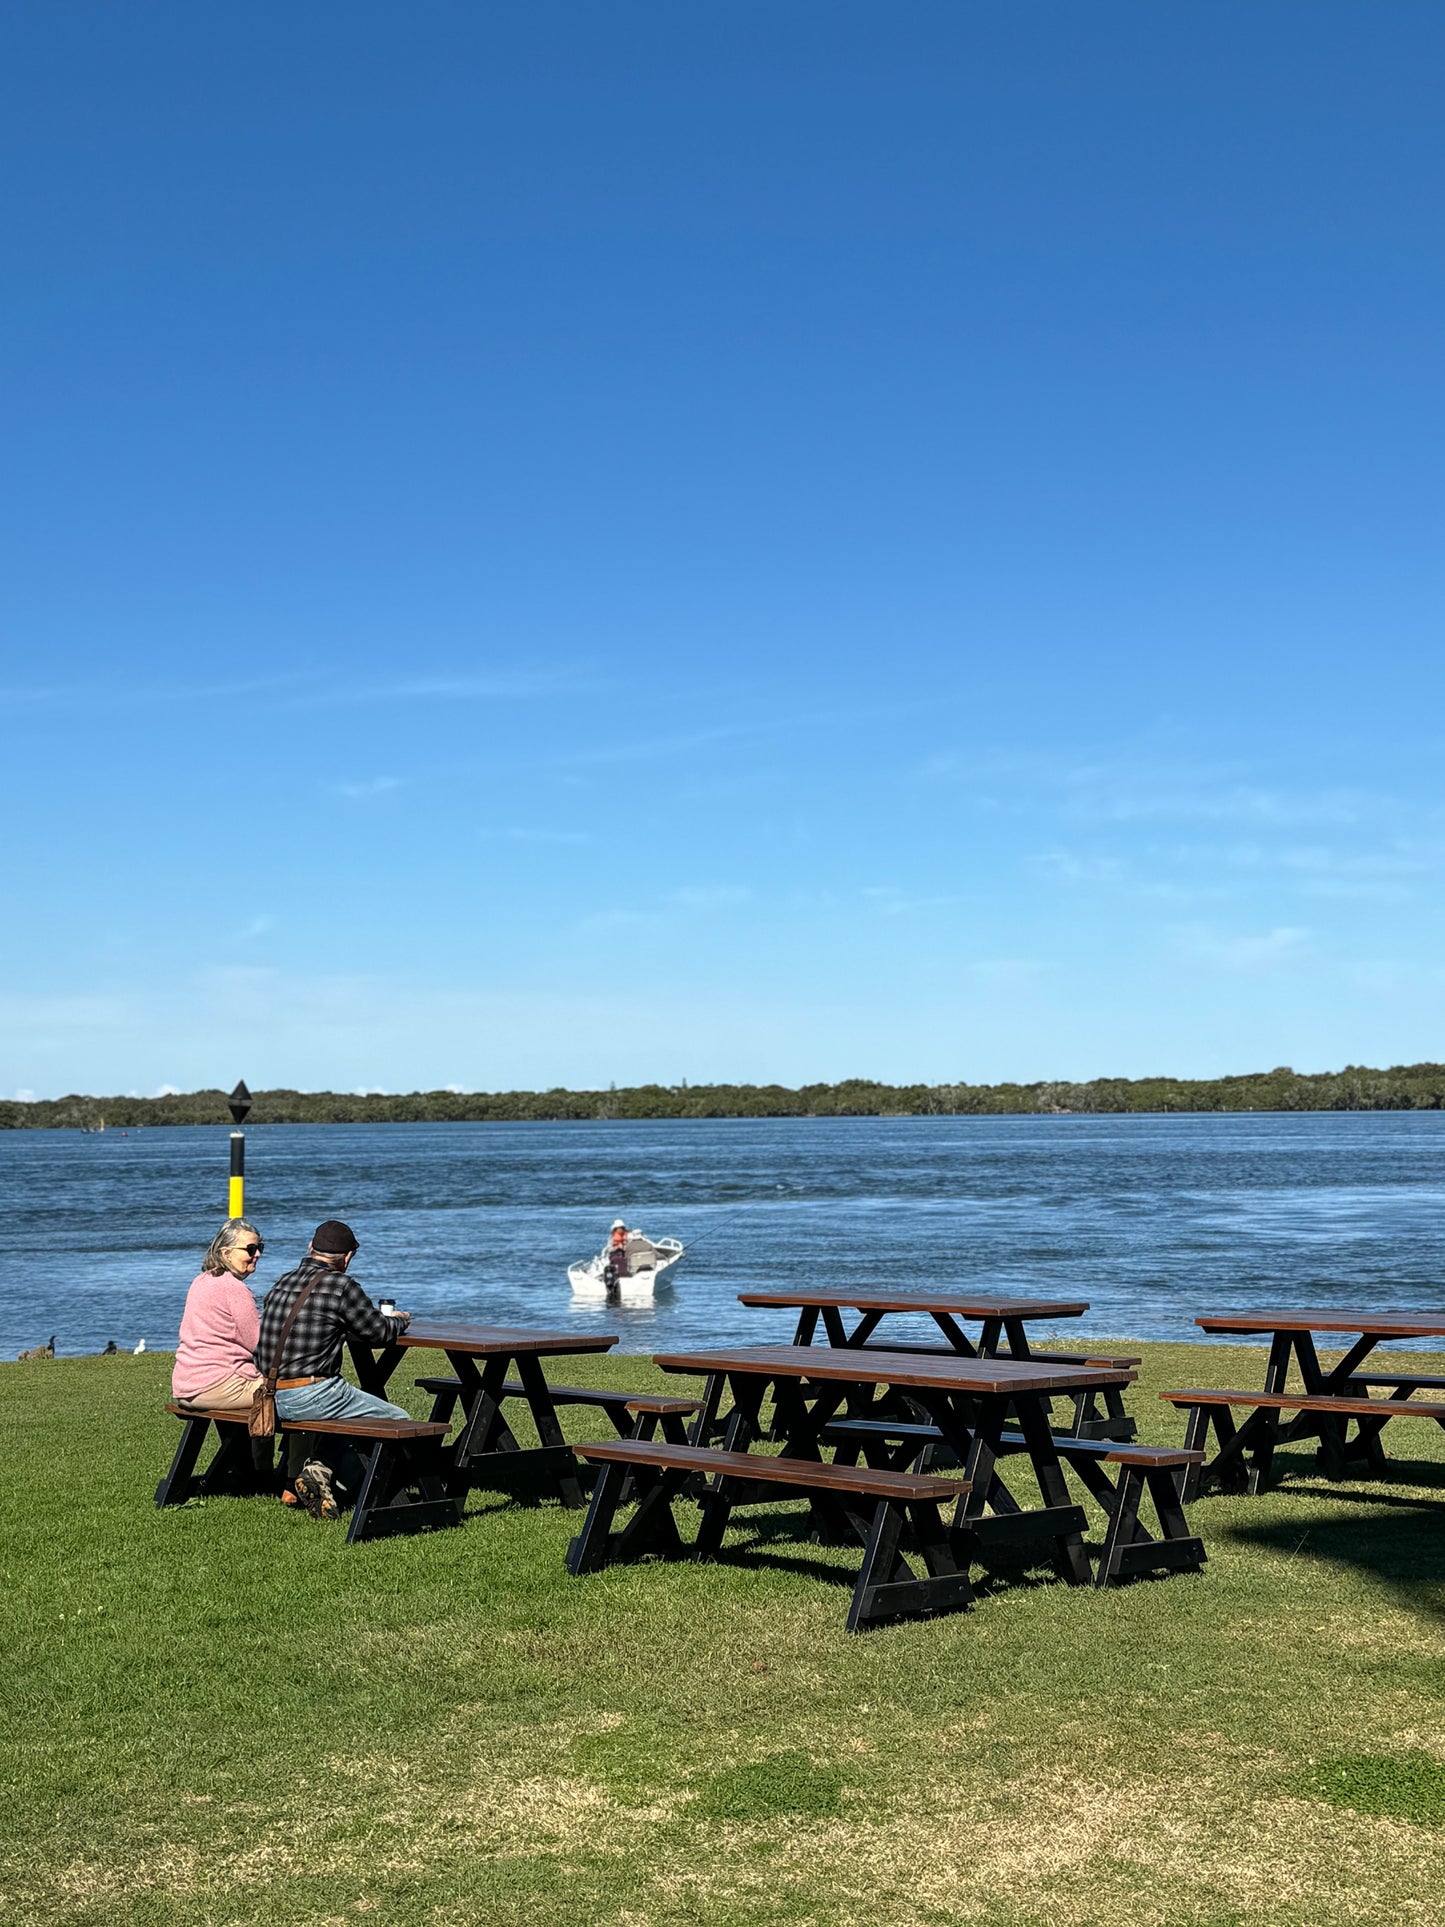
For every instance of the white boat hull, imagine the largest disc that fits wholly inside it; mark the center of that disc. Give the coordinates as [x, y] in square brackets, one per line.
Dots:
[639, 1287]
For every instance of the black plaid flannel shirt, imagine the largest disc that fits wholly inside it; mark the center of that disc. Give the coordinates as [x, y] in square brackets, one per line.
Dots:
[336, 1310]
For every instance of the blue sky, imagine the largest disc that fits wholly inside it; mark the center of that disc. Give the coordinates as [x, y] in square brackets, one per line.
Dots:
[559, 544]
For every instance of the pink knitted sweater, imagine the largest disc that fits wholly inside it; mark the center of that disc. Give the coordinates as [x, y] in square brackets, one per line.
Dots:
[219, 1329]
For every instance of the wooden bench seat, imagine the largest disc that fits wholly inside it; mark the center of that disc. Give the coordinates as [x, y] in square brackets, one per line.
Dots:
[1245, 1456]
[633, 1414]
[901, 1502]
[1127, 1547]
[402, 1487]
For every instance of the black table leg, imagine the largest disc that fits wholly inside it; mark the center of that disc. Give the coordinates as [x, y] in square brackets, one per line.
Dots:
[1053, 1488]
[544, 1417]
[373, 1368]
[867, 1324]
[1276, 1371]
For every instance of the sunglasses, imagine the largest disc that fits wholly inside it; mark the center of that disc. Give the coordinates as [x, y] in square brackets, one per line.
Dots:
[251, 1251]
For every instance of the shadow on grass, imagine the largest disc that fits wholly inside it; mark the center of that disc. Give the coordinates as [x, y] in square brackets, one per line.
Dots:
[773, 1543]
[1393, 1537]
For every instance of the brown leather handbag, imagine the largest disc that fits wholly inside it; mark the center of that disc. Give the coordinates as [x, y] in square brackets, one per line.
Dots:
[262, 1422]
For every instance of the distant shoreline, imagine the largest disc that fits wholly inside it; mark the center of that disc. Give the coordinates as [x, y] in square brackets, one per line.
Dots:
[1403, 1087]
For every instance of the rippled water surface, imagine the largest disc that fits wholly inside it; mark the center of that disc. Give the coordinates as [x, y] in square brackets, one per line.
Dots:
[1152, 1219]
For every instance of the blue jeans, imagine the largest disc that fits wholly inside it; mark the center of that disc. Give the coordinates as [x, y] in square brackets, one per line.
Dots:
[333, 1398]
[329, 1398]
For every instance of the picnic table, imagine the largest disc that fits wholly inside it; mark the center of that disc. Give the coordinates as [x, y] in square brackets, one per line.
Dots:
[970, 1400]
[1002, 1320]
[486, 1451]
[1001, 1317]
[1330, 1401]
[1293, 1333]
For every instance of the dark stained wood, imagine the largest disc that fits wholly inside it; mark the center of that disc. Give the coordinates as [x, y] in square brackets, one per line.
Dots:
[959, 1304]
[1109, 1451]
[352, 1428]
[1120, 1361]
[659, 1402]
[1334, 1406]
[365, 1428]
[763, 1469]
[1381, 1324]
[480, 1341]
[848, 1366]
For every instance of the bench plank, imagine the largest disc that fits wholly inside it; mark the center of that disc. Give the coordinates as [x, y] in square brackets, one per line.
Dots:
[357, 1428]
[765, 1469]
[887, 1587]
[1313, 1402]
[1244, 1460]
[1111, 1451]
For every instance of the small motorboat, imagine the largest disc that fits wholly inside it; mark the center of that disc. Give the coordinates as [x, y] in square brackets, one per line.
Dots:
[648, 1264]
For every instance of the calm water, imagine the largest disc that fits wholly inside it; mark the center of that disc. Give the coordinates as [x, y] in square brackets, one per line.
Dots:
[1151, 1219]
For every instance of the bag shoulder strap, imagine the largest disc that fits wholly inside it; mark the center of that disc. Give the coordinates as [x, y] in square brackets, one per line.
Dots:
[305, 1292]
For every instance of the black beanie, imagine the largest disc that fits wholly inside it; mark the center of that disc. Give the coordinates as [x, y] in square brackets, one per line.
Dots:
[334, 1238]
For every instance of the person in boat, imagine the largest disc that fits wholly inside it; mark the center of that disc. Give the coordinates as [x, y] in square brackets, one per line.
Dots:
[309, 1382]
[215, 1370]
[616, 1267]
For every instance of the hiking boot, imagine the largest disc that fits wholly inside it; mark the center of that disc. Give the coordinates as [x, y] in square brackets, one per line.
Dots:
[313, 1489]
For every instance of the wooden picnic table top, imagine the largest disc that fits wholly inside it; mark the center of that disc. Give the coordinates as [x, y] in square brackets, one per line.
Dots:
[949, 1372]
[482, 1341]
[960, 1304]
[1380, 1324]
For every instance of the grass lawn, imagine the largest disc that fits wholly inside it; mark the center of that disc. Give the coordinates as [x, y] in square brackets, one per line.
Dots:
[218, 1714]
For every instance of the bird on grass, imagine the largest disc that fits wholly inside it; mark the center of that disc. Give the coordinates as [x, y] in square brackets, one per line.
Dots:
[140, 1347]
[41, 1351]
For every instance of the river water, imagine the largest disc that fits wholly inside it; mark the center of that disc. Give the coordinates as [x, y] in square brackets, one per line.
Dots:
[1152, 1219]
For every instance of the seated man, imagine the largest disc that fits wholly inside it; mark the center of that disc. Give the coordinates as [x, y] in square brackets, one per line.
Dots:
[309, 1382]
[616, 1267]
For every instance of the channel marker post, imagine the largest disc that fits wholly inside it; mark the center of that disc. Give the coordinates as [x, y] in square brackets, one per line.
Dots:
[238, 1103]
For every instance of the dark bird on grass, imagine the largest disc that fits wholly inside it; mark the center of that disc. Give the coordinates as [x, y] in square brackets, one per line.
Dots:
[41, 1351]
[112, 1350]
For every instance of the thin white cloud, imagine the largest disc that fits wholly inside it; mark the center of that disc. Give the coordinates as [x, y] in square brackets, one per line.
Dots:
[1008, 971]
[889, 901]
[517, 833]
[141, 695]
[504, 685]
[1075, 866]
[1266, 950]
[1127, 802]
[710, 896]
[366, 789]
[1138, 786]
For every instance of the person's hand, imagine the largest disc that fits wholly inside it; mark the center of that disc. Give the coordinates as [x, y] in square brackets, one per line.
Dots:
[404, 1316]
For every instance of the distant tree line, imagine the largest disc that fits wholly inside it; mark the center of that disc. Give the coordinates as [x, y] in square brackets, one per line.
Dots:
[1404, 1087]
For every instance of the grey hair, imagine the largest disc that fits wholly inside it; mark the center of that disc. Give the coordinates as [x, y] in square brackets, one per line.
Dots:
[230, 1233]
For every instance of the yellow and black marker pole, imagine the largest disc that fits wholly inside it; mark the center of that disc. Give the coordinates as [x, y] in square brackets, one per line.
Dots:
[238, 1103]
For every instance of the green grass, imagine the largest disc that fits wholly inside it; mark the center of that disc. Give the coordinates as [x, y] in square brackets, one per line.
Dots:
[218, 1714]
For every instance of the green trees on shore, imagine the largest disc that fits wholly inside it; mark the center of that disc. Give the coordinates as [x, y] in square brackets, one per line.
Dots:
[1404, 1087]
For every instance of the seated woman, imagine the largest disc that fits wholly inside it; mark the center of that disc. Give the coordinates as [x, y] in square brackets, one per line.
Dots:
[214, 1369]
